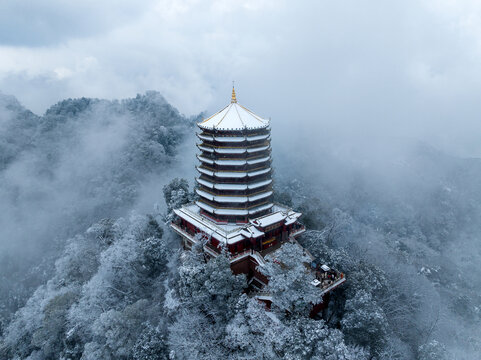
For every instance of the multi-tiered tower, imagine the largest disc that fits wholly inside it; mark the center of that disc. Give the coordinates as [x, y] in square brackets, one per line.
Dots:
[234, 210]
[235, 181]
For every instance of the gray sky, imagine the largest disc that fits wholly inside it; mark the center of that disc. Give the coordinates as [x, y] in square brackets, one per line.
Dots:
[352, 68]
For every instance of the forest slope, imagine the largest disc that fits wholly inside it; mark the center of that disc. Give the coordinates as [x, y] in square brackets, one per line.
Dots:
[85, 277]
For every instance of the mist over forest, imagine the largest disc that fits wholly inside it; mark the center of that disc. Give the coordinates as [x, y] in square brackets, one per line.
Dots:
[89, 268]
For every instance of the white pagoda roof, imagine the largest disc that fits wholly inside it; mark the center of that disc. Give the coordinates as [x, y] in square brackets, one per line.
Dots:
[227, 233]
[234, 117]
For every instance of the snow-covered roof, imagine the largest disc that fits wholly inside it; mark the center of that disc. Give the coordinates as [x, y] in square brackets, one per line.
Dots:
[203, 136]
[229, 138]
[290, 220]
[233, 162]
[258, 160]
[270, 219]
[260, 196]
[239, 212]
[279, 213]
[227, 232]
[256, 149]
[213, 210]
[251, 232]
[232, 199]
[292, 217]
[260, 208]
[232, 150]
[259, 184]
[205, 148]
[232, 174]
[259, 172]
[204, 159]
[234, 186]
[229, 150]
[234, 117]
[230, 186]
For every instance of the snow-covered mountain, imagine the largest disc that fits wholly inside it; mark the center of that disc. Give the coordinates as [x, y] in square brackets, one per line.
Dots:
[83, 276]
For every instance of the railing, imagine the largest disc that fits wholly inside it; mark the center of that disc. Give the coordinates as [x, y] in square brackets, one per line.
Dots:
[329, 285]
[209, 156]
[219, 180]
[238, 169]
[265, 143]
[236, 156]
[243, 193]
[208, 247]
[264, 131]
[215, 141]
[328, 279]
[202, 218]
[296, 230]
[184, 231]
[240, 254]
[252, 204]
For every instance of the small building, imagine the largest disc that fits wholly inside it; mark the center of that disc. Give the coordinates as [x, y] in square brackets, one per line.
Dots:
[234, 209]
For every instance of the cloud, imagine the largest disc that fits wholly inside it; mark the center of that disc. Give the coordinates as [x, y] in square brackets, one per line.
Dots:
[406, 69]
[47, 22]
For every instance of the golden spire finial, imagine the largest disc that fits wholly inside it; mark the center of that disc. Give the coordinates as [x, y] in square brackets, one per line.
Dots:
[233, 99]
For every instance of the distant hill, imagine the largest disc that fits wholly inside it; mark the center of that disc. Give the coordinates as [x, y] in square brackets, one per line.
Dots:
[83, 160]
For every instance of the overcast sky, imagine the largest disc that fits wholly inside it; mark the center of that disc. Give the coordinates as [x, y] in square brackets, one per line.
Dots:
[381, 68]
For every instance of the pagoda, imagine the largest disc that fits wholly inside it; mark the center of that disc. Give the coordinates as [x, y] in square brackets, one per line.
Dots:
[235, 209]
[235, 182]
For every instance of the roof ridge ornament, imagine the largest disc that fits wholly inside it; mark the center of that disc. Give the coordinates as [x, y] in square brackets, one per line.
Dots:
[233, 99]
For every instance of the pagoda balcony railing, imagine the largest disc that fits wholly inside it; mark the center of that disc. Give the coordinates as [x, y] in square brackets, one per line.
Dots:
[256, 132]
[327, 280]
[233, 255]
[234, 168]
[297, 230]
[264, 143]
[233, 156]
[244, 143]
[245, 156]
[236, 255]
[237, 168]
[234, 180]
[235, 206]
[178, 223]
[212, 247]
[234, 193]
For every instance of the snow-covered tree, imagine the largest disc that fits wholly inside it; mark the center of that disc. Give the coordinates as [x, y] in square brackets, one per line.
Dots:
[364, 321]
[254, 332]
[290, 279]
[432, 350]
[207, 294]
[106, 286]
[257, 333]
[115, 332]
[151, 344]
[176, 194]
